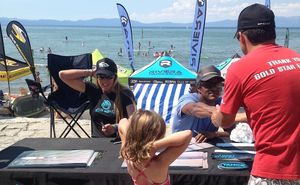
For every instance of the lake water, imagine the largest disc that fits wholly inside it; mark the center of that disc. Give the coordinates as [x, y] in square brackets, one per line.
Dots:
[218, 44]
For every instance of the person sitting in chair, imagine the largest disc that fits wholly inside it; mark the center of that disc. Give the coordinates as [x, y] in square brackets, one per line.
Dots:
[110, 101]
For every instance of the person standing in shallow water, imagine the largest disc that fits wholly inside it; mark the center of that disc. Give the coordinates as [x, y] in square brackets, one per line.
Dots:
[110, 101]
[268, 88]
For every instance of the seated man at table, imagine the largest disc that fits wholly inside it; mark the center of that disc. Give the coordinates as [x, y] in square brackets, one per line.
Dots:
[194, 110]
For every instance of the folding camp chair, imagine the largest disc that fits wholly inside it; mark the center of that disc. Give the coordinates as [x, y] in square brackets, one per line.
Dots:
[64, 99]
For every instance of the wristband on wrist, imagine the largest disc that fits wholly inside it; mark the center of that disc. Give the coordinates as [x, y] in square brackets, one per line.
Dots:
[115, 126]
[88, 72]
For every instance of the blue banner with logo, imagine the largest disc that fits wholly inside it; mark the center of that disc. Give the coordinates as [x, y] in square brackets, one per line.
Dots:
[197, 34]
[268, 3]
[127, 33]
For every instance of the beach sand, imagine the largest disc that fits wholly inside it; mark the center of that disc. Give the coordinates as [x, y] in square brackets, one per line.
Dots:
[13, 129]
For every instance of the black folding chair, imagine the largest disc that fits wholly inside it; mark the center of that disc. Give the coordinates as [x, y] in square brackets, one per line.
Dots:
[64, 99]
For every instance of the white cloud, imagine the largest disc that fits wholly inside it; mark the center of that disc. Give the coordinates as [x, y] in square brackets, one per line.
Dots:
[286, 9]
[182, 11]
[179, 11]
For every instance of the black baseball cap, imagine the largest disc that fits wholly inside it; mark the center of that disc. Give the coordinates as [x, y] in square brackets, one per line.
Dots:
[207, 73]
[106, 67]
[255, 16]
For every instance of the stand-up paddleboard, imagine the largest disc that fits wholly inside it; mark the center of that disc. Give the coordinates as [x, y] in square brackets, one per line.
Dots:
[27, 106]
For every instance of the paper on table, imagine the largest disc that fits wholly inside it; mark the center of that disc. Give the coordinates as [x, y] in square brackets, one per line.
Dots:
[235, 144]
[192, 155]
[187, 159]
[188, 163]
[194, 146]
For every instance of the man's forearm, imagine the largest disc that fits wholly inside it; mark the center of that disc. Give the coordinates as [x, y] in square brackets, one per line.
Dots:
[241, 117]
[222, 134]
[223, 120]
[201, 110]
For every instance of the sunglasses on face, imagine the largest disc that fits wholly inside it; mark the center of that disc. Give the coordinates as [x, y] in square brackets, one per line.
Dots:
[105, 77]
[210, 85]
[238, 35]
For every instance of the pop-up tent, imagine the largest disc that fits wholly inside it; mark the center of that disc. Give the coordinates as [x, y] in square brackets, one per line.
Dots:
[223, 66]
[160, 84]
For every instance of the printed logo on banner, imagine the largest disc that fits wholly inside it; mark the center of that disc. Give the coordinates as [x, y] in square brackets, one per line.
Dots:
[124, 21]
[19, 33]
[165, 63]
[9, 63]
[200, 2]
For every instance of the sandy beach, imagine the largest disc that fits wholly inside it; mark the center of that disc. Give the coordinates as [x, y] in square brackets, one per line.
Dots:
[13, 129]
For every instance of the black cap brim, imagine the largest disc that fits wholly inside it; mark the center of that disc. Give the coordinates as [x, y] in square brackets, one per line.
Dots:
[209, 77]
[105, 72]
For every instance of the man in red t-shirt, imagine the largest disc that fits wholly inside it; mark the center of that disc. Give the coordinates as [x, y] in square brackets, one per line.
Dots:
[266, 82]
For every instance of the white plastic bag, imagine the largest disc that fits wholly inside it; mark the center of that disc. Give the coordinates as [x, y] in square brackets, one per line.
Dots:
[242, 133]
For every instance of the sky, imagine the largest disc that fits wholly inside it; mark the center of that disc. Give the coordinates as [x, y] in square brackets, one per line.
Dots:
[146, 11]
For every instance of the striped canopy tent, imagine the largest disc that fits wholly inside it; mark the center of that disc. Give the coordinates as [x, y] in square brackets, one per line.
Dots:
[160, 84]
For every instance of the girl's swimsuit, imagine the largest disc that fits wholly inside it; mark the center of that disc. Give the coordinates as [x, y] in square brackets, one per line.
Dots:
[141, 173]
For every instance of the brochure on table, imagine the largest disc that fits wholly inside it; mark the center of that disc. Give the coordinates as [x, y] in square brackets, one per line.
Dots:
[187, 159]
[54, 158]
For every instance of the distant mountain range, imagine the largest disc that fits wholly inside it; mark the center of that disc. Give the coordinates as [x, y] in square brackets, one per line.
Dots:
[280, 22]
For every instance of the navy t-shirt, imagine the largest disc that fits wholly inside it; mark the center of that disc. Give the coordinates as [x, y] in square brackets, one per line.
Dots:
[102, 107]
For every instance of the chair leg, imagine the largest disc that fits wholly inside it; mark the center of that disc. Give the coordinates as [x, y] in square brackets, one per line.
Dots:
[52, 124]
[69, 126]
[73, 122]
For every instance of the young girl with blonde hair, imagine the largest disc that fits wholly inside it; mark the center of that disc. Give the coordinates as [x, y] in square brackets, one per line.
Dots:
[142, 136]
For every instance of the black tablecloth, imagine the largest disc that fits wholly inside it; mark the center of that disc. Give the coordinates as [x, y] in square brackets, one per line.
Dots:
[106, 170]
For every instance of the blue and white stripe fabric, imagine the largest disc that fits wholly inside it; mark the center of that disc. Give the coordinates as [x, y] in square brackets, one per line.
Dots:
[161, 98]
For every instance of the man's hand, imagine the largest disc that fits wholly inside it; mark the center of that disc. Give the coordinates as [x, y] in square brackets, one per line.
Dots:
[220, 119]
[215, 119]
[202, 137]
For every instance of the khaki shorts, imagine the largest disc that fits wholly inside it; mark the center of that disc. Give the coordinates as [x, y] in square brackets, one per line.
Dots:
[263, 181]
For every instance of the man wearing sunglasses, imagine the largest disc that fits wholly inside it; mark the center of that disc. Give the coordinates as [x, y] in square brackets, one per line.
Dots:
[194, 110]
[266, 83]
